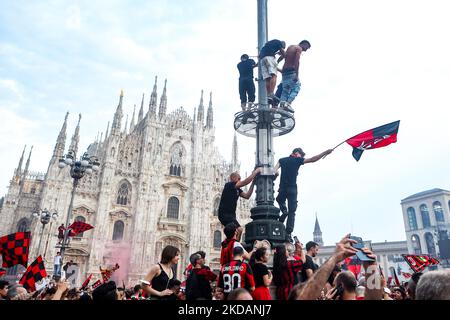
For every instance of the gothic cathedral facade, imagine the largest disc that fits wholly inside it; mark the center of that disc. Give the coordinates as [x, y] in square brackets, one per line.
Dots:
[159, 183]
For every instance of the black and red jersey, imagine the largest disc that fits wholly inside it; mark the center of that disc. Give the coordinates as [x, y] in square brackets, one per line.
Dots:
[289, 278]
[236, 274]
[226, 254]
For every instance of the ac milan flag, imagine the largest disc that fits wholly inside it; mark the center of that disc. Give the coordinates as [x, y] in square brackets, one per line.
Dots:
[86, 282]
[419, 262]
[14, 249]
[34, 273]
[374, 138]
[107, 273]
[2, 272]
[96, 284]
[79, 227]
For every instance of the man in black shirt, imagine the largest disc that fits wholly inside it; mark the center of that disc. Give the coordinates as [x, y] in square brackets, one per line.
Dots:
[246, 84]
[309, 267]
[269, 65]
[288, 185]
[230, 195]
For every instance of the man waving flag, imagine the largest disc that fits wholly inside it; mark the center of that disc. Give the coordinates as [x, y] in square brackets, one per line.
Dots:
[374, 138]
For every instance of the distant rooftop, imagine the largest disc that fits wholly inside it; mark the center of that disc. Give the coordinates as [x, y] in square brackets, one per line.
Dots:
[425, 193]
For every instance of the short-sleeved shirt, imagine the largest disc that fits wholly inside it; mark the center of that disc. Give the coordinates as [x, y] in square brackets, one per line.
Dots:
[289, 171]
[259, 271]
[270, 48]
[228, 201]
[309, 264]
[57, 260]
[246, 68]
[236, 274]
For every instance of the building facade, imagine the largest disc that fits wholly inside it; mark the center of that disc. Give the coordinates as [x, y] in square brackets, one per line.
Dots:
[389, 254]
[159, 183]
[426, 216]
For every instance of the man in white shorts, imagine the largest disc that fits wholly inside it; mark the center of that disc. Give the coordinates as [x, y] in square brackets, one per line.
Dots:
[269, 66]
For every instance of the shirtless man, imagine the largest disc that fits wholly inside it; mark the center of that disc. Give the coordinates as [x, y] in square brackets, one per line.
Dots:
[290, 81]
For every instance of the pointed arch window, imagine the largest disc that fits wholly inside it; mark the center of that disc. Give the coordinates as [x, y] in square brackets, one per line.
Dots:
[124, 193]
[438, 211]
[412, 218]
[216, 206]
[23, 225]
[176, 160]
[173, 208]
[217, 239]
[119, 226]
[82, 219]
[425, 216]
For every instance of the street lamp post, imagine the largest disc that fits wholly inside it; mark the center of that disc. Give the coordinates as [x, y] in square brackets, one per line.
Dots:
[264, 123]
[44, 216]
[78, 168]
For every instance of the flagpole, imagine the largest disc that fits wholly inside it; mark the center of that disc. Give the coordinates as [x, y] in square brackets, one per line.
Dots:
[335, 147]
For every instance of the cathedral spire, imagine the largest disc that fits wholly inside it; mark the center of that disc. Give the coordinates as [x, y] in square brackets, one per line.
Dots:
[27, 165]
[75, 138]
[201, 109]
[153, 98]
[132, 119]
[107, 131]
[61, 140]
[209, 117]
[317, 234]
[19, 166]
[195, 115]
[115, 129]
[234, 154]
[163, 102]
[141, 111]
[126, 126]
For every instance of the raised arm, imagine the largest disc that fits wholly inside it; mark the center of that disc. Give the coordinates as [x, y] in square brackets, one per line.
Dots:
[318, 157]
[374, 289]
[248, 194]
[315, 284]
[249, 179]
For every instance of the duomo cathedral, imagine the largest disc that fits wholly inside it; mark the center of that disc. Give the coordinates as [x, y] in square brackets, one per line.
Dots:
[159, 183]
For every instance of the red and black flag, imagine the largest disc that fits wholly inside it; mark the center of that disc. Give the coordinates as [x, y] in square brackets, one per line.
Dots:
[86, 282]
[96, 284]
[14, 249]
[2, 272]
[79, 227]
[107, 273]
[394, 275]
[419, 262]
[34, 273]
[374, 138]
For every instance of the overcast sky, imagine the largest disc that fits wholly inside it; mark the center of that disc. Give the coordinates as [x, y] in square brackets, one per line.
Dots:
[370, 63]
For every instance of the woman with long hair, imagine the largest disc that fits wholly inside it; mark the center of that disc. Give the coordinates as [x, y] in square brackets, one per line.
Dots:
[261, 274]
[159, 277]
[285, 269]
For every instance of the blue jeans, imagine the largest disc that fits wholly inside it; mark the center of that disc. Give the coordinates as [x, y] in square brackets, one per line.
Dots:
[291, 86]
[57, 269]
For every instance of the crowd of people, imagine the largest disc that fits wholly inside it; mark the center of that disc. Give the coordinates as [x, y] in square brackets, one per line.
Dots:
[292, 276]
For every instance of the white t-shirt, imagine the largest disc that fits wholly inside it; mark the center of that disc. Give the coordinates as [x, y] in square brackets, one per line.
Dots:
[57, 260]
[238, 244]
